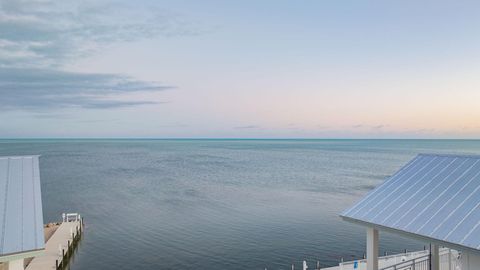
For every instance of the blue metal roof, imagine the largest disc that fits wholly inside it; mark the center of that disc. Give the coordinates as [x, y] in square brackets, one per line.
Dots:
[433, 196]
[21, 217]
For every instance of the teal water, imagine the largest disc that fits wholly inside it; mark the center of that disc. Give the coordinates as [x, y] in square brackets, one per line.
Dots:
[218, 204]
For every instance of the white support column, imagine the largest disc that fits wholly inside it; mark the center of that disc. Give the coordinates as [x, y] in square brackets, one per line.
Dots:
[449, 259]
[372, 249]
[15, 265]
[435, 250]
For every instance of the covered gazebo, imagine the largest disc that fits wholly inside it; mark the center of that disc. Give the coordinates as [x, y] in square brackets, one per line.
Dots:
[21, 217]
[434, 198]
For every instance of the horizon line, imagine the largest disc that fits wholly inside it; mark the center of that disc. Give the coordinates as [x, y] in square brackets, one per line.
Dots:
[223, 138]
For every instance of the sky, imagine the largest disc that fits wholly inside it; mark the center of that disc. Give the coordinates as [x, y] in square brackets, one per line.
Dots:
[239, 69]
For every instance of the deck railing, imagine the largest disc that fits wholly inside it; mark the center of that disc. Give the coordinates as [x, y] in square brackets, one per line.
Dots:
[449, 260]
[421, 263]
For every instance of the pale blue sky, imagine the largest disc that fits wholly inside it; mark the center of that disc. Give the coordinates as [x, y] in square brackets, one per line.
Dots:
[315, 69]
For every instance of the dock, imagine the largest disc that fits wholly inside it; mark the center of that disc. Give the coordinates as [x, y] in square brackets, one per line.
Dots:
[61, 245]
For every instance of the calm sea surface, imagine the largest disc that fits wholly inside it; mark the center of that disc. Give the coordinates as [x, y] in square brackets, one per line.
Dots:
[218, 204]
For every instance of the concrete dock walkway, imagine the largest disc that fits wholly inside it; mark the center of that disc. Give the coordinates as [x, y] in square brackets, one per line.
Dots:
[54, 246]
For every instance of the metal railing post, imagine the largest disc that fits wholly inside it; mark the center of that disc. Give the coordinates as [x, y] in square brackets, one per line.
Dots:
[430, 258]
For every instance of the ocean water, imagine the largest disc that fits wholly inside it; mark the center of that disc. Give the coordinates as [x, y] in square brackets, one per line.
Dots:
[218, 204]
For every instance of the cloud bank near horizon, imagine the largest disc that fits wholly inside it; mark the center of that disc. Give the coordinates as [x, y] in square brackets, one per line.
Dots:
[44, 89]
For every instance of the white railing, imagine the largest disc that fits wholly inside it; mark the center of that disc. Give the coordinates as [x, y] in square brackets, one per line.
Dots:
[70, 217]
[418, 260]
[383, 261]
[422, 263]
[449, 260]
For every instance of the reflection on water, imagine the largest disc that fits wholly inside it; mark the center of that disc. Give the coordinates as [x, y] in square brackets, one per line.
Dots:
[218, 204]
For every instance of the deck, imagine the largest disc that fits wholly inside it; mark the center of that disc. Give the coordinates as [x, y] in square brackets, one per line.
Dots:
[448, 260]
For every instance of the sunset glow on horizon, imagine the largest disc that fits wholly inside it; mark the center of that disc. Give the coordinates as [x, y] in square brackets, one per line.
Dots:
[244, 69]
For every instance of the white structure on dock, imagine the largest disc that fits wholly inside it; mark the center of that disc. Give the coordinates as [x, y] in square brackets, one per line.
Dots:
[435, 199]
[21, 217]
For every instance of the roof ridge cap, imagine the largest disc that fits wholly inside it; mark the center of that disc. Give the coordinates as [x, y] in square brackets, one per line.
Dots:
[450, 155]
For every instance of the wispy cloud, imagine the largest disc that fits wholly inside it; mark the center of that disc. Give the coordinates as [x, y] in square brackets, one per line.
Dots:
[48, 33]
[379, 126]
[425, 130]
[247, 127]
[51, 115]
[372, 127]
[39, 37]
[41, 89]
[174, 125]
